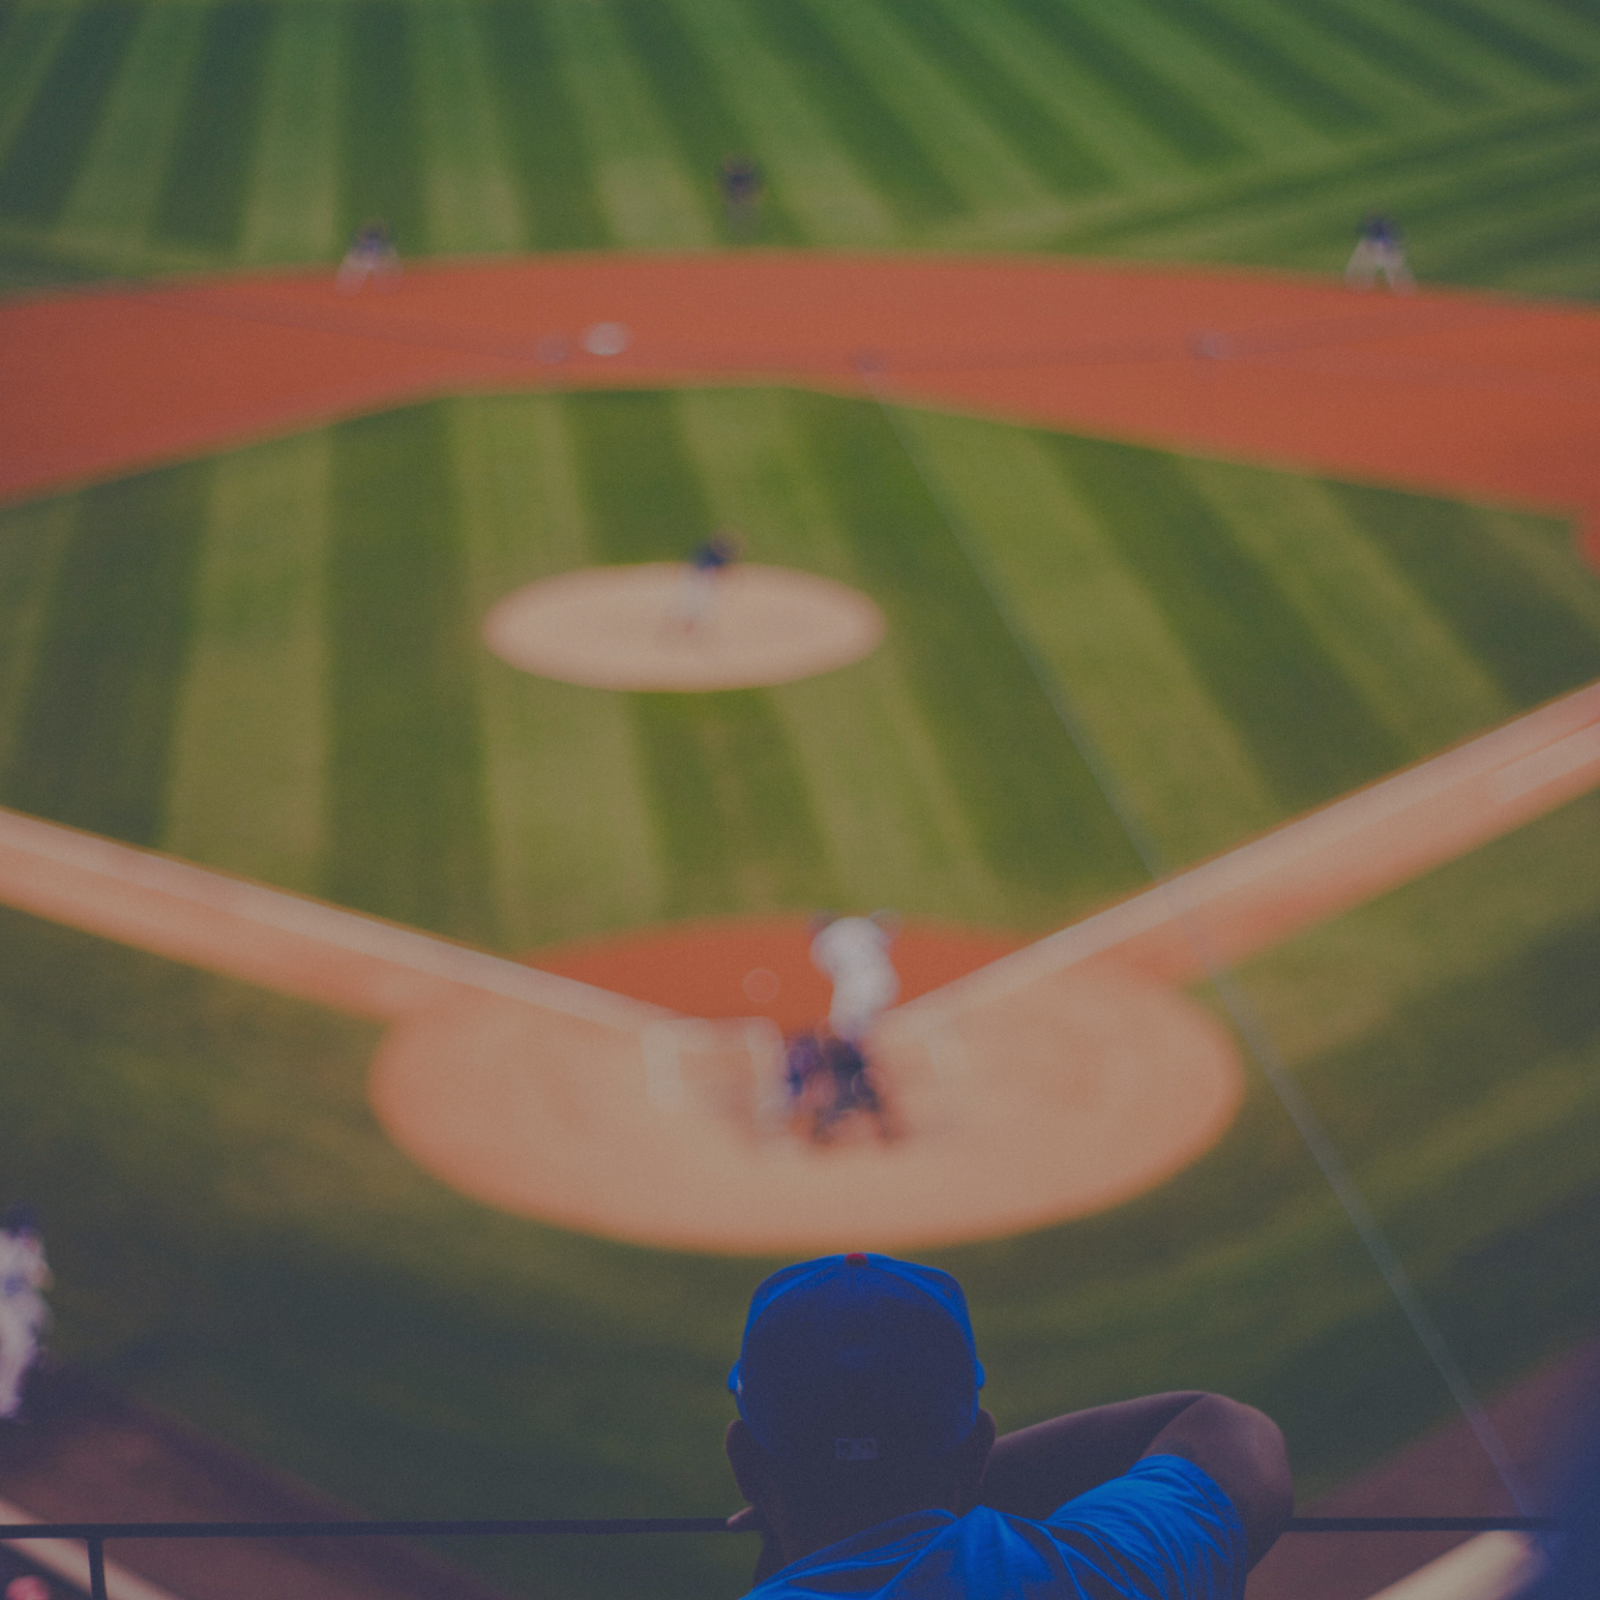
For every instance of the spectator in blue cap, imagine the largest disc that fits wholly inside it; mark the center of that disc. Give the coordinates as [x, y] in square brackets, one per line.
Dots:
[873, 1472]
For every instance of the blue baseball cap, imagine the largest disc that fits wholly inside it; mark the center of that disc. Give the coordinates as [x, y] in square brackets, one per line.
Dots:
[858, 1358]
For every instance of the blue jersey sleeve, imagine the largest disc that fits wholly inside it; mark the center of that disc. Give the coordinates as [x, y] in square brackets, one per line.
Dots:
[1163, 1528]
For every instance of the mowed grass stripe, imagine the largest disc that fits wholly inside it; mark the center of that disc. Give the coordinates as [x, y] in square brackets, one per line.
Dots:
[1264, 122]
[207, 179]
[249, 751]
[1052, 149]
[1509, 211]
[733, 808]
[933, 106]
[1500, 82]
[1497, 255]
[1476, 1033]
[1343, 979]
[895, 828]
[879, 144]
[1566, 30]
[472, 199]
[1150, 95]
[1117, 659]
[117, 190]
[33, 540]
[407, 831]
[1384, 96]
[1100, 119]
[1524, 631]
[94, 742]
[829, 199]
[1503, 196]
[1545, 548]
[1036, 815]
[380, 143]
[1247, 200]
[1402, 58]
[54, 136]
[1585, 10]
[1503, 40]
[293, 210]
[542, 129]
[1310, 733]
[735, 820]
[1409, 666]
[649, 200]
[29, 35]
[1315, 95]
[692, 100]
[573, 840]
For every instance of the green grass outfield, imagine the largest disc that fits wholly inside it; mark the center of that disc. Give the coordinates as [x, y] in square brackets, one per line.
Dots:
[141, 136]
[267, 661]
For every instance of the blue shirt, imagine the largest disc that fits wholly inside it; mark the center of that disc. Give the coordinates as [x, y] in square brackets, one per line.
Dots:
[1162, 1531]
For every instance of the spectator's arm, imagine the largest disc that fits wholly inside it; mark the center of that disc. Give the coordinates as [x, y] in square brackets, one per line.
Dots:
[1242, 1451]
[1035, 1470]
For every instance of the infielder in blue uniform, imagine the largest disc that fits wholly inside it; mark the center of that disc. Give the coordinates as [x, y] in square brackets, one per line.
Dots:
[874, 1474]
[1379, 248]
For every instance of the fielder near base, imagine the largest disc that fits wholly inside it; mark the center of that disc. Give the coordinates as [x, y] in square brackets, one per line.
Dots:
[854, 953]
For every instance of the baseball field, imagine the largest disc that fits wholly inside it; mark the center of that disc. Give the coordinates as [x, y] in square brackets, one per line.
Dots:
[266, 659]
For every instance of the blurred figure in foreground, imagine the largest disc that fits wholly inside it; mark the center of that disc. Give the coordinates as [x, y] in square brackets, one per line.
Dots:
[1574, 1553]
[24, 1276]
[872, 1471]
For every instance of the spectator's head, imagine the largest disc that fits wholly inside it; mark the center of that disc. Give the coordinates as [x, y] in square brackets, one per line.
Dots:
[857, 1386]
[20, 1218]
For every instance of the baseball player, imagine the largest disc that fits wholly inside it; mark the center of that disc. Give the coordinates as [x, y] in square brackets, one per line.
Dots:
[700, 575]
[852, 1089]
[1379, 248]
[741, 182]
[854, 953]
[24, 1277]
[371, 254]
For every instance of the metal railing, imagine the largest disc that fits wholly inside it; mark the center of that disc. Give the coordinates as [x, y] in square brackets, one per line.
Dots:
[95, 1534]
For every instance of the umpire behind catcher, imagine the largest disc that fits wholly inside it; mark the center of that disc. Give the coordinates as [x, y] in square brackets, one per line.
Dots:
[873, 1473]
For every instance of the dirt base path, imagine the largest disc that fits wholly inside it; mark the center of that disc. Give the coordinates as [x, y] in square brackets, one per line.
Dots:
[1447, 391]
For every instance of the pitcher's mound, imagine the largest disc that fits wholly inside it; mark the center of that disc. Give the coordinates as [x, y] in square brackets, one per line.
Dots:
[623, 628]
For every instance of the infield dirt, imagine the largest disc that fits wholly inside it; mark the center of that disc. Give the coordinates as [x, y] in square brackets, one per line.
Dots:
[1458, 393]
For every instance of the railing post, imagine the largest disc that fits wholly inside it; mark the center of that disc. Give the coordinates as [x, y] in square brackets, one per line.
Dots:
[97, 1568]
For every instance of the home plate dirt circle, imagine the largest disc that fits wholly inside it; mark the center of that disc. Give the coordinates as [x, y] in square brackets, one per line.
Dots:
[1080, 1094]
[620, 628]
